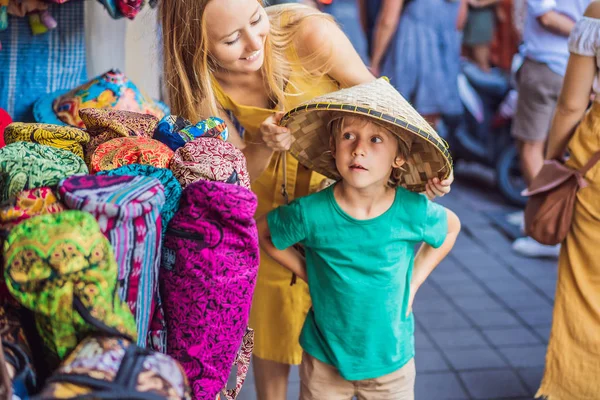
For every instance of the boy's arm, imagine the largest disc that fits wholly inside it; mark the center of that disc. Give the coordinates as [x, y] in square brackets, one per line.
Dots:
[428, 258]
[290, 258]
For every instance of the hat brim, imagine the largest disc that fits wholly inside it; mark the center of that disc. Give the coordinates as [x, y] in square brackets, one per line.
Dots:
[430, 157]
[43, 110]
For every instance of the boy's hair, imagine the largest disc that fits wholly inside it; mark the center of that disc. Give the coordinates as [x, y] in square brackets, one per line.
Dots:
[336, 125]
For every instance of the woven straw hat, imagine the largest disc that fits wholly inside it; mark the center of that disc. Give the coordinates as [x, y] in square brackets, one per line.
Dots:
[378, 100]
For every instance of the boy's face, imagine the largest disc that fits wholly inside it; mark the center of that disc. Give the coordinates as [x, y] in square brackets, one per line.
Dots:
[365, 153]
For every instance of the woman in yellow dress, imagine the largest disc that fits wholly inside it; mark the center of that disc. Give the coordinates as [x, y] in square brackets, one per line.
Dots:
[247, 64]
[573, 356]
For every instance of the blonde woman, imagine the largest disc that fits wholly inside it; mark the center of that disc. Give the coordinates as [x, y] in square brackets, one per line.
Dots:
[573, 356]
[247, 63]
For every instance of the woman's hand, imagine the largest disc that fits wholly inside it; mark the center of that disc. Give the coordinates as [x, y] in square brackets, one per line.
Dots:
[434, 188]
[276, 137]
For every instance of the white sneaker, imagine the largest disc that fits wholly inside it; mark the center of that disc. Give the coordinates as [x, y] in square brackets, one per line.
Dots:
[529, 247]
[516, 218]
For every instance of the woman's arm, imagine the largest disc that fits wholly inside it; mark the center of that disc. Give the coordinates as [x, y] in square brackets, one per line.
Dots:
[321, 42]
[574, 97]
[385, 27]
[572, 103]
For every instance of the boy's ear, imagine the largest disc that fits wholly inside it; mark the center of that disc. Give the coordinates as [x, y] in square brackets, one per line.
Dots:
[332, 145]
[398, 162]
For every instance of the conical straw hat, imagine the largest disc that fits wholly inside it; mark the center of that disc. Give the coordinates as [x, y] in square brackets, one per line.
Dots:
[378, 100]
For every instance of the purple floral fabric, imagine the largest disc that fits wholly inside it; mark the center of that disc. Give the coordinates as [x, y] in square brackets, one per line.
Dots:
[208, 272]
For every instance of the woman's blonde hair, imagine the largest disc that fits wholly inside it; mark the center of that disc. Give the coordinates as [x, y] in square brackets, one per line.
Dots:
[336, 126]
[188, 67]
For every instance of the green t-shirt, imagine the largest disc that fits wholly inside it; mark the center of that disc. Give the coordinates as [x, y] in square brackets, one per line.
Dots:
[359, 275]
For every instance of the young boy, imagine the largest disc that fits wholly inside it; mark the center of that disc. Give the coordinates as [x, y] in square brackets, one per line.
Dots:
[359, 237]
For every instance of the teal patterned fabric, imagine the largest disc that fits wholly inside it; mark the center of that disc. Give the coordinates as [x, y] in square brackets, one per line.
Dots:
[25, 165]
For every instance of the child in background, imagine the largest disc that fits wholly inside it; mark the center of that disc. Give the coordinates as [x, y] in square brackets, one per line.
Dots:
[359, 236]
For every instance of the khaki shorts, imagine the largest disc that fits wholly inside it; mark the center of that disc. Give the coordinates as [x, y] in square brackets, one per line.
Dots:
[320, 381]
[539, 88]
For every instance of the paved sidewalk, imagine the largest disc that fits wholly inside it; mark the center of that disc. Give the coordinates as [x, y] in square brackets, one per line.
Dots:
[483, 318]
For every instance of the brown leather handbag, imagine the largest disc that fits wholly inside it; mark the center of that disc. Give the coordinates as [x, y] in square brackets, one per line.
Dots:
[551, 203]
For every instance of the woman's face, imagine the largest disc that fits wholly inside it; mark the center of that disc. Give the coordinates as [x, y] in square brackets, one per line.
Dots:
[237, 30]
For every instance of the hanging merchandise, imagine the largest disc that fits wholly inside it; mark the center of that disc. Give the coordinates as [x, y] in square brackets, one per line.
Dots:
[104, 367]
[208, 273]
[210, 159]
[25, 165]
[130, 150]
[125, 8]
[62, 268]
[128, 211]
[176, 131]
[111, 90]
[61, 137]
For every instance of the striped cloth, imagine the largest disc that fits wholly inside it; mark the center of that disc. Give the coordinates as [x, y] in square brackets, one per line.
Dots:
[36, 65]
[128, 211]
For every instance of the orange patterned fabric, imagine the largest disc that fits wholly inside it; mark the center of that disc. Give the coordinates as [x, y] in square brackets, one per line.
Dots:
[130, 150]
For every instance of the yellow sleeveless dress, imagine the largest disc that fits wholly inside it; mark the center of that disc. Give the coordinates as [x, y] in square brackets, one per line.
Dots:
[278, 309]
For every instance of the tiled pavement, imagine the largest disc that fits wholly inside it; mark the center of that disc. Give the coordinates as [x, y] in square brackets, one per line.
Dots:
[483, 318]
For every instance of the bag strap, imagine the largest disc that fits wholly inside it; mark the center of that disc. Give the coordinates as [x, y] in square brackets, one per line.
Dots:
[595, 158]
[242, 361]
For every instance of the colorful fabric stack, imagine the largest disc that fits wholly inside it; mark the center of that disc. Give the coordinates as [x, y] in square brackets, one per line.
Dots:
[130, 150]
[128, 210]
[158, 334]
[67, 277]
[165, 176]
[209, 268]
[83, 254]
[104, 125]
[26, 204]
[61, 137]
[111, 90]
[25, 165]
[176, 131]
[210, 159]
[113, 368]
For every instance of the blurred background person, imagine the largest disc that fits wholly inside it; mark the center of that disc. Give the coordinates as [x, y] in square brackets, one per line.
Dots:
[479, 31]
[416, 44]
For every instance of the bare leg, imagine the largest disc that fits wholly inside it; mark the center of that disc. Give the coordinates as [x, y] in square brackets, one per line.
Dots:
[271, 379]
[481, 56]
[532, 159]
